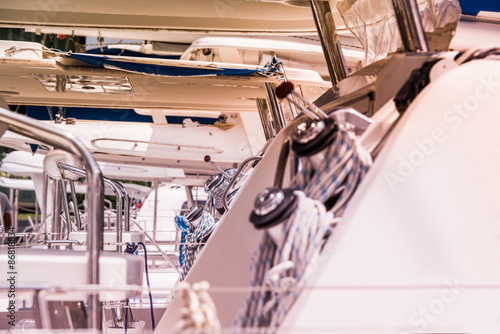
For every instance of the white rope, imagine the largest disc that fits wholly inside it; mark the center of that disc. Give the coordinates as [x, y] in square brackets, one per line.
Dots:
[284, 267]
[194, 241]
[198, 313]
[344, 165]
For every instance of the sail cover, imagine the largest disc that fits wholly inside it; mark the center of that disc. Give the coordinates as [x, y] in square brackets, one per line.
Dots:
[163, 67]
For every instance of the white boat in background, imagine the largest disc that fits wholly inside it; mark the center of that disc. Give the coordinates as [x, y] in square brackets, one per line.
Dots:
[364, 213]
[155, 151]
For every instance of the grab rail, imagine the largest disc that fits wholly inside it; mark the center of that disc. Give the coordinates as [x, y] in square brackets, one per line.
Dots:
[233, 180]
[34, 129]
[121, 194]
[204, 148]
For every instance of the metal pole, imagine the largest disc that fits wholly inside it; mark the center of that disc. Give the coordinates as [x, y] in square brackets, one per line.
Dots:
[75, 205]
[275, 108]
[264, 118]
[64, 196]
[126, 204]
[293, 110]
[323, 17]
[12, 199]
[44, 203]
[118, 191]
[155, 210]
[189, 195]
[27, 127]
[37, 211]
[56, 209]
[16, 209]
[410, 25]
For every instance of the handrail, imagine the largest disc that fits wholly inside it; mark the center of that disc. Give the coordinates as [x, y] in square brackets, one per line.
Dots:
[34, 129]
[93, 142]
[121, 194]
[233, 180]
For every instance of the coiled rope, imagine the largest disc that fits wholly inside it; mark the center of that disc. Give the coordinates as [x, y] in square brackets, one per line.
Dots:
[344, 165]
[284, 267]
[193, 241]
[184, 228]
[217, 192]
[198, 313]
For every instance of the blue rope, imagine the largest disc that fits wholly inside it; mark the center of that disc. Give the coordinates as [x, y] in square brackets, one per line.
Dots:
[184, 227]
[193, 241]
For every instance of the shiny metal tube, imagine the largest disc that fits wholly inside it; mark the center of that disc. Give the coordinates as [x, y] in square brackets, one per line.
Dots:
[235, 177]
[323, 17]
[264, 119]
[275, 108]
[126, 203]
[75, 205]
[410, 25]
[31, 128]
[15, 220]
[44, 204]
[119, 198]
[189, 195]
[155, 210]
[64, 197]
[56, 209]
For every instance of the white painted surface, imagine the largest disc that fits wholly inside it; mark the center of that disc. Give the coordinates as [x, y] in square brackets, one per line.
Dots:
[420, 254]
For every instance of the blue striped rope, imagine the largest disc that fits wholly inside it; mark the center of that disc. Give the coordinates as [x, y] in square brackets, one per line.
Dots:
[342, 167]
[193, 242]
[303, 234]
[345, 163]
[218, 191]
[184, 228]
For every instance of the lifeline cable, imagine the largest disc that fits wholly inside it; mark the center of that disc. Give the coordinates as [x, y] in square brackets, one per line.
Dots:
[284, 266]
[194, 240]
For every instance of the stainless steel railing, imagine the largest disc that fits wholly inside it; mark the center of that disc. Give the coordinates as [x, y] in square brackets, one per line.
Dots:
[34, 129]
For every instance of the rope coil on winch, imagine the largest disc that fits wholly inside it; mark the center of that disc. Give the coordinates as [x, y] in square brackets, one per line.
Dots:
[265, 309]
[333, 165]
[183, 226]
[194, 241]
[217, 184]
[344, 164]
